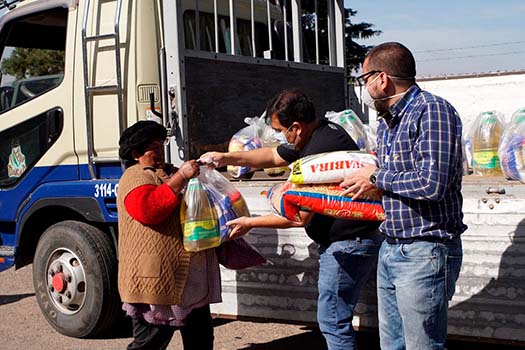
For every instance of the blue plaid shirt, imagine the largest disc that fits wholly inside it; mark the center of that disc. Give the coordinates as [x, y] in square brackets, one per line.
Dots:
[420, 161]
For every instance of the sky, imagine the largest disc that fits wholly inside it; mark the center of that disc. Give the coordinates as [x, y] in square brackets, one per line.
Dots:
[450, 37]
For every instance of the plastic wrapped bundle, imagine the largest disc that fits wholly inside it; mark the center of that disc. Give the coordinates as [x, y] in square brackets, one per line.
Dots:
[287, 199]
[257, 134]
[371, 136]
[331, 167]
[199, 219]
[511, 149]
[226, 199]
[267, 135]
[353, 126]
[246, 139]
[466, 140]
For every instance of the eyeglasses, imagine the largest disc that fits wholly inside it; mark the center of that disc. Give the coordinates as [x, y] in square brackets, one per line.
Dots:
[361, 80]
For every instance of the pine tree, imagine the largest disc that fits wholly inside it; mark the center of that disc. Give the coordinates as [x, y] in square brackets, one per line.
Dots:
[355, 53]
[26, 63]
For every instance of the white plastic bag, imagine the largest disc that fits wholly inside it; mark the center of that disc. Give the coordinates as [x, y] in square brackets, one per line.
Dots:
[246, 139]
[466, 140]
[198, 218]
[227, 200]
[353, 126]
[511, 148]
[371, 136]
[257, 134]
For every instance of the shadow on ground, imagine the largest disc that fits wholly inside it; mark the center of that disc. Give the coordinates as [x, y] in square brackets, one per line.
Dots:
[8, 299]
[312, 339]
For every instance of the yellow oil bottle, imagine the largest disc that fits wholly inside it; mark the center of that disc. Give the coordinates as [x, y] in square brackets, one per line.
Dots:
[200, 224]
[485, 141]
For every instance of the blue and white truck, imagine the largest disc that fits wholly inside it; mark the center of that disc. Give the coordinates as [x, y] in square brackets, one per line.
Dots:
[199, 67]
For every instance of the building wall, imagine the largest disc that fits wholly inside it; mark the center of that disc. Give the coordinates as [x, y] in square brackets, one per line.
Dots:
[473, 95]
[470, 95]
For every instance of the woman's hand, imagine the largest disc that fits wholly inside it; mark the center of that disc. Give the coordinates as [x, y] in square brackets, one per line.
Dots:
[188, 169]
[239, 226]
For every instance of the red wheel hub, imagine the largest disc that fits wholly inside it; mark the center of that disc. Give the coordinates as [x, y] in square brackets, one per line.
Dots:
[59, 282]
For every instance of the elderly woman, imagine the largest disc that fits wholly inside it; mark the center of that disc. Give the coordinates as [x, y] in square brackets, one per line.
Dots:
[163, 287]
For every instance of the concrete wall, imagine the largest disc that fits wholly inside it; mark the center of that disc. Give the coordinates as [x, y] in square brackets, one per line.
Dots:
[470, 95]
[476, 94]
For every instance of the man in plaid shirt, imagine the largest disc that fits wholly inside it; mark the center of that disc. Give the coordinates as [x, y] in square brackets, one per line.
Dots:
[420, 173]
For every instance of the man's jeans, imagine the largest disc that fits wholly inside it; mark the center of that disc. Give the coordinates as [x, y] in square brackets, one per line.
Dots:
[344, 268]
[414, 285]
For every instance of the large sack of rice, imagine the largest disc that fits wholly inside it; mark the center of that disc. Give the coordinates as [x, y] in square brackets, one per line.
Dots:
[287, 199]
[331, 167]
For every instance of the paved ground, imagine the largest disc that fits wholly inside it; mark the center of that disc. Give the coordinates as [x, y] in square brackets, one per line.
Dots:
[22, 326]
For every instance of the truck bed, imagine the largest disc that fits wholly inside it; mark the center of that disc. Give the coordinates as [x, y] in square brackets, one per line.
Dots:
[489, 303]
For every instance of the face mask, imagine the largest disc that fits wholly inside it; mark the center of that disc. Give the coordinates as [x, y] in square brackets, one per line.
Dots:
[369, 101]
[281, 138]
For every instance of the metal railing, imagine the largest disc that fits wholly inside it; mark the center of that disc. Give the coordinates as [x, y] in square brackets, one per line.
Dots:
[91, 90]
[289, 12]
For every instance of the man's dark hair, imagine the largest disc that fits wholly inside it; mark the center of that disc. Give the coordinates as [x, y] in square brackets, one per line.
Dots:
[291, 106]
[394, 59]
[137, 137]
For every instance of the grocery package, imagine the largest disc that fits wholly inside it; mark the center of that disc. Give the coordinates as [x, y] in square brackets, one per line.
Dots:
[330, 167]
[257, 134]
[371, 136]
[287, 199]
[511, 149]
[199, 219]
[466, 140]
[353, 126]
[246, 139]
[486, 134]
[267, 135]
[226, 199]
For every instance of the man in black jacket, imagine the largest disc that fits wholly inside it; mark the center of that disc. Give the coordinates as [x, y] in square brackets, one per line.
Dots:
[347, 248]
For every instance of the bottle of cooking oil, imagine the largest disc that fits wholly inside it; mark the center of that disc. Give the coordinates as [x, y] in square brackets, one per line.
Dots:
[485, 141]
[200, 224]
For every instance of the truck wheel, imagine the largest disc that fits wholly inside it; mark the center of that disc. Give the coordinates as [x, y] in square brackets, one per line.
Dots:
[75, 279]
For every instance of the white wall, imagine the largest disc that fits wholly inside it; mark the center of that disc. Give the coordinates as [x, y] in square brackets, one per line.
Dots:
[471, 96]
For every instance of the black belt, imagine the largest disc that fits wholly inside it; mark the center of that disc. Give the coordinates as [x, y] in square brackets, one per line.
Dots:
[358, 238]
[393, 240]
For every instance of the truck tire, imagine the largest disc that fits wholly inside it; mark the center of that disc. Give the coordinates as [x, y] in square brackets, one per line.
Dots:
[75, 279]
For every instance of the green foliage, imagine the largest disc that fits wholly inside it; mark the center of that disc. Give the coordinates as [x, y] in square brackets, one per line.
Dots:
[26, 63]
[355, 53]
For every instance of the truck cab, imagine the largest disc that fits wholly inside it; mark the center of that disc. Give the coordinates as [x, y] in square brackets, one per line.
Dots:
[76, 73]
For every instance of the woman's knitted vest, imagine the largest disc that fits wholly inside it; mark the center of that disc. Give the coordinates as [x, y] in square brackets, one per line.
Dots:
[153, 265]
